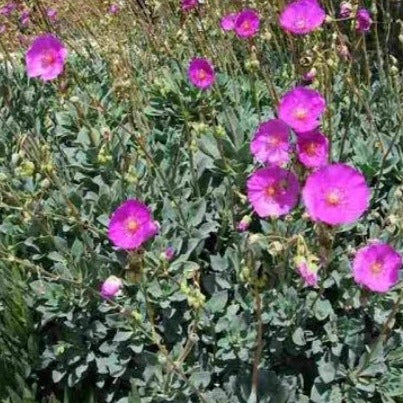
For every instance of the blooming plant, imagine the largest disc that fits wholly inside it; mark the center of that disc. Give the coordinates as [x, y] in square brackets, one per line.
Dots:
[302, 17]
[190, 214]
[46, 57]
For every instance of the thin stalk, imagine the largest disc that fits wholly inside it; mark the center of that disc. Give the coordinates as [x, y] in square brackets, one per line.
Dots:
[258, 348]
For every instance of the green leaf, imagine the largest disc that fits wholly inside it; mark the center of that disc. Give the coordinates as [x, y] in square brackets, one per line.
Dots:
[327, 371]
[217, 302]
[298, 337]
[200, 379]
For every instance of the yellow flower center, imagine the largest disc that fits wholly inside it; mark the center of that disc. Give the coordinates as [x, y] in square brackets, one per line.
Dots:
[202, 75]
[132, 225]
[271, 191]
[300, 113]
[311, 149]
[301, 23]
[274, 141]
[246, 25]
[333, 198]
[48, 59]
[376, 268]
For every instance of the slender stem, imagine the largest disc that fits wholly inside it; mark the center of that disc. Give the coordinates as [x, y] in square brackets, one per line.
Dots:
[259, 346]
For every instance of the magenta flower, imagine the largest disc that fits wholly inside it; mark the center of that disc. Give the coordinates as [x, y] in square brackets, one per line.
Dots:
[302, 16]
[201, 73]
[271, 142]
[301, 108]
[131, 225]
[8, 8]
[376, 266]
[113, 9]
[308, 272]
[46, 57]
[169, 253]
[273, 191]
[312, 149]
[243, 225]
[188, 5]
[111, 287]
[3, 28]
[247, 23]
[363, 20]
[309, 76]
[25, 18]
[336, 194]
[345, 9]
[227, 22]
[51, 14]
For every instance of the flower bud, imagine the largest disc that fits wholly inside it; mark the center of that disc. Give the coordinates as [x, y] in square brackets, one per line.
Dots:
[244, 223]
[169, 253]
[345, 9]
[111, 287]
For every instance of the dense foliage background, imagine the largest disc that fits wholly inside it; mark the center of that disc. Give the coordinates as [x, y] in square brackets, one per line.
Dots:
[123, 121]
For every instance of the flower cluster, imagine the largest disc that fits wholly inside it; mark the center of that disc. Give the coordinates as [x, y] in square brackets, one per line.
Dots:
[333, 193]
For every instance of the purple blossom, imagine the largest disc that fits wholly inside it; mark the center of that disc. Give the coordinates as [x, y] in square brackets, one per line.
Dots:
[273, 191]
[376, 266]
[25, 18]
[188, 5]
[46, 57]
[52, 14]
[336, 194]
[363, 20]
[111, 287]
[345, 9]
[271, 143]
[247, 24]
[131, 225]
[243, 225]
[113, 9]
[8, 8]
[312, 149]
[201, 73]
[169, 253]
[302, 17]
[301, 108]
[227, 22]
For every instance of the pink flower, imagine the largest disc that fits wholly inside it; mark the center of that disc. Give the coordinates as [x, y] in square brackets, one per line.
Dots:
[309, 76]
[201, 73]
[376, 266]
[312, 149]
[227, 22]
[113, 9]
[131, 225]
[46, 57]
[247, 23]
[363, 20]
[336, 194]
[111, 287]
[51, 14]
[301, 108]
[169, 253]
[271, 142]
[273, 191]
[3, 28]
[308, 272]
[343, 51]
[345, 9]
[8, 8]
[25, 18]
[302, 16]
[188, 5]
[243, 225]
